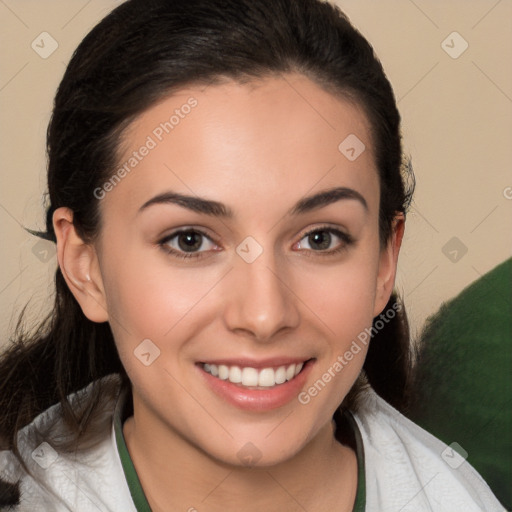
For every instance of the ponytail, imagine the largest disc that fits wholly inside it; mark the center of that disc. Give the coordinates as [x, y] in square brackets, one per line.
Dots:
[389, 362]
[66, 353]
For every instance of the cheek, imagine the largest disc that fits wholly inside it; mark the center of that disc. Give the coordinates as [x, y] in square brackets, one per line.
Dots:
[150, 299]
[342, 295]
[345, 299]
[342, 300]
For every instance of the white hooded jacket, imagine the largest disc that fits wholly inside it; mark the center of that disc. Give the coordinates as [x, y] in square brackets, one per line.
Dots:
[402, 468]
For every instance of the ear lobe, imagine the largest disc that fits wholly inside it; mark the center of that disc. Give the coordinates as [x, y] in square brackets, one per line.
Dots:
[79, 265]
[387, 264]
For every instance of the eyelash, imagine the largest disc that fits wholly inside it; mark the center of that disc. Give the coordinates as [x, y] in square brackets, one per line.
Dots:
[347, 240]
[183, 255]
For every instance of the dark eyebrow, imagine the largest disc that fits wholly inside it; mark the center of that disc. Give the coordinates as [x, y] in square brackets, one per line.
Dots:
[216, 209]
[193, 203]
[326, 198]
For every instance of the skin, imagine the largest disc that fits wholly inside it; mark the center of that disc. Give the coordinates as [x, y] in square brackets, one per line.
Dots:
[258, 148]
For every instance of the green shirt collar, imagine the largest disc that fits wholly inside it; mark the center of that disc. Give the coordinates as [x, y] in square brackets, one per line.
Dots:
[139, 498]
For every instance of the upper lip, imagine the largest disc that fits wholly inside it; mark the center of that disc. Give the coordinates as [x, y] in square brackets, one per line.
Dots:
[273, 362]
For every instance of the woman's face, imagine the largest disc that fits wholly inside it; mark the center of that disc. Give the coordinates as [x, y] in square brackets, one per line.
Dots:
[277, 266]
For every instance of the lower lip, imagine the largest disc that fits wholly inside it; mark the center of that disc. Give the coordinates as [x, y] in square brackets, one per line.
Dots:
[258, 399]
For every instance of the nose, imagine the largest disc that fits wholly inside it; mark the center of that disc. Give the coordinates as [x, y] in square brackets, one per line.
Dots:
[260, 302]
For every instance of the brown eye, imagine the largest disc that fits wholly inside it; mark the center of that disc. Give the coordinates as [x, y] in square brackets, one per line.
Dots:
[320, 240]
[189, 243]
[325, 241]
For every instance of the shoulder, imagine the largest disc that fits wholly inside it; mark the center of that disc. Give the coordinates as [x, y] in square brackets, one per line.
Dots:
[408, 469]
[58, 477]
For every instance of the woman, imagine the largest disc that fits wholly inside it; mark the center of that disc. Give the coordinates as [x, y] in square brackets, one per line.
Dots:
[227, 192]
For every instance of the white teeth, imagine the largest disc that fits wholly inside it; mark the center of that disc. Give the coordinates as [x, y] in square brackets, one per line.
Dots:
[290, 372]
[266, 378]
[235, 375]
[280, 375]
[223, 372]
[251, 377]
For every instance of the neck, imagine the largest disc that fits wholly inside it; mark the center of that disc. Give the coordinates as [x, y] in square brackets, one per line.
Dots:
[175, 473]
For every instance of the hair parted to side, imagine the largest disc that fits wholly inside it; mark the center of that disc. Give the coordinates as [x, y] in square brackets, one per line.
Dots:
[142, 52]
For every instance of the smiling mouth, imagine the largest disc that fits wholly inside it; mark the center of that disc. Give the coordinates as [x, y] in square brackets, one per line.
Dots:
[253, 378]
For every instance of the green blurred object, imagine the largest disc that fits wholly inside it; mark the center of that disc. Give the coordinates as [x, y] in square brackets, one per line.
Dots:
[463, 392]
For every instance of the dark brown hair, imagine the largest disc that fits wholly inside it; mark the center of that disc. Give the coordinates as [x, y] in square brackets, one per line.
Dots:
[139, 54]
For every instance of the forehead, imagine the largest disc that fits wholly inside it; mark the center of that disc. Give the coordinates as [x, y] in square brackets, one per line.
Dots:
[270, 140]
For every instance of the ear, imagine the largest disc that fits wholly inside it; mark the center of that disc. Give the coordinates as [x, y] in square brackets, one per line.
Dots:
[79, 265]
[387, 264]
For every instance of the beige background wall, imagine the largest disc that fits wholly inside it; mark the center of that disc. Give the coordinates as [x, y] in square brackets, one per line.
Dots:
[457, 126]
